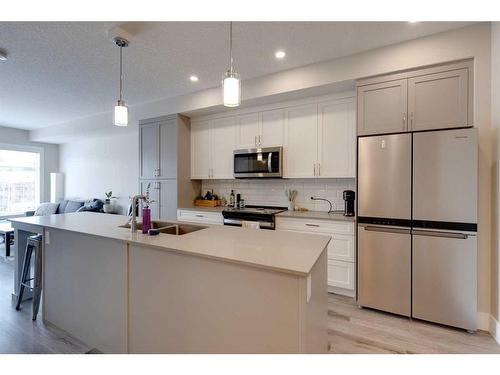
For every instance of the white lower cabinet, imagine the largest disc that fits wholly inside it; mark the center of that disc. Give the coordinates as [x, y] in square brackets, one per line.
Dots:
[341, 253]
[341, 275]
[204, 217]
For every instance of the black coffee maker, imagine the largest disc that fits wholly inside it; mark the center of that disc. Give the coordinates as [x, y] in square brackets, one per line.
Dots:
[348, 202]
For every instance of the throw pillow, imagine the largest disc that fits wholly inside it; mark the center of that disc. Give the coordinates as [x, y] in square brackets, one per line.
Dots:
[46, 208]
[62, 206]
[94, 205]
[72, 206]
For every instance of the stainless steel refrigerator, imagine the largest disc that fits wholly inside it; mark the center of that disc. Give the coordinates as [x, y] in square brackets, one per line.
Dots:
[417, 224]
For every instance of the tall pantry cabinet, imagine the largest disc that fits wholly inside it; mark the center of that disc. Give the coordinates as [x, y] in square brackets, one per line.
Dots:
[164, 164]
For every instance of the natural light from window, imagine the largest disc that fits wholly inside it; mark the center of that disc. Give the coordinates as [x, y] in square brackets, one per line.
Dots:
[19, 181]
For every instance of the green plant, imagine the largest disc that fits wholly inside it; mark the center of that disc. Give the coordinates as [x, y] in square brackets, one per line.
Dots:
[291, 194]
[109, 195]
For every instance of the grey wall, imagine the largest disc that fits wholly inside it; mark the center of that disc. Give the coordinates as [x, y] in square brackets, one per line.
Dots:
[11, 136]
[92, 166]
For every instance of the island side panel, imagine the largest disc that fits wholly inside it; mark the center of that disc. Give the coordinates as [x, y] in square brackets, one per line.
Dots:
[85, 290]
[188, 304]
[314, 310]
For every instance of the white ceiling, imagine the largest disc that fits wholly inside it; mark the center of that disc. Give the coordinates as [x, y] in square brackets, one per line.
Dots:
[58, 72]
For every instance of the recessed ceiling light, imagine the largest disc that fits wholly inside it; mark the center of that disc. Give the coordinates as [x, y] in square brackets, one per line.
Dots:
[280, 54]
[193, 78]
[413, 21]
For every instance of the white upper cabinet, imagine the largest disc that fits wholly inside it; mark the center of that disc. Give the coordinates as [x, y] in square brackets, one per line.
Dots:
[438, 100]
[272, 128]
[315, 143]
[337, 138]
[260, 129]
[201, 145]
[223, 144]
[212, 146]
[301, 141]
[248, 130]
[438, 97]
[382, 107]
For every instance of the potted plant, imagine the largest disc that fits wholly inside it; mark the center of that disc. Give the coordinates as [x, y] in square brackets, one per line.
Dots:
[291, 195]
[108, 206]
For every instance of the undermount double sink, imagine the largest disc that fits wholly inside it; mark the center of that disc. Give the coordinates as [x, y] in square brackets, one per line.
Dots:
[166, 227]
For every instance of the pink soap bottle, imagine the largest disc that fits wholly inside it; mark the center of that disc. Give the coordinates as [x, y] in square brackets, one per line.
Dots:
[146, 219]
[146, 213]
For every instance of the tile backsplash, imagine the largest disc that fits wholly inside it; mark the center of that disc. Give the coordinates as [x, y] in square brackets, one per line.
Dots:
[272, 192]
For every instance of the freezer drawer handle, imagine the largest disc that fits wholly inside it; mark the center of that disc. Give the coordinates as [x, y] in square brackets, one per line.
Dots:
[461, 236]
[370, 228]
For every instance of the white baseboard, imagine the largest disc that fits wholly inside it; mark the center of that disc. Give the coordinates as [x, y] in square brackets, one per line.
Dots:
[483, 321]
[494, 329]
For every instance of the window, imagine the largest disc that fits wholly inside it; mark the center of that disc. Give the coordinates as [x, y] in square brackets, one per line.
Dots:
[19, 181]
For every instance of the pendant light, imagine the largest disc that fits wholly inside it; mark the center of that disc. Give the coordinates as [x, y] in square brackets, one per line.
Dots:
[121, 110]
[231, 84]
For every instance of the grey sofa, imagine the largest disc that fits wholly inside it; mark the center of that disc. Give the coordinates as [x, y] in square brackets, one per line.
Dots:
[67, 206]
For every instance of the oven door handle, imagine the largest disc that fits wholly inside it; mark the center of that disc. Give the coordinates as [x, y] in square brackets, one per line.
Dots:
[269, 166]
[236, 222]
[232, 222]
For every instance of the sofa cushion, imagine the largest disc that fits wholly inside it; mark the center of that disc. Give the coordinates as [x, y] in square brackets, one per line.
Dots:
[72, 206]
[62, 206]
[94, 205]
[46, 208]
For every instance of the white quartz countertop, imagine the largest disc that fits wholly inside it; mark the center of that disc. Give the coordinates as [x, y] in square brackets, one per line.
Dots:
[289, 252]
[319, 215]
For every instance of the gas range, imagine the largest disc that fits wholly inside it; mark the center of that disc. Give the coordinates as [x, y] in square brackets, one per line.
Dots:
[264, 215]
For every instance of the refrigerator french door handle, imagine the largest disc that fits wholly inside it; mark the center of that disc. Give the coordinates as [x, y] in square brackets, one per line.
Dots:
[429, 233]
[372, 228]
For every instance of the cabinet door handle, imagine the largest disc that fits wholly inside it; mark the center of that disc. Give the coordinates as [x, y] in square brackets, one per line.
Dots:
[319, 169]
[198, 215]
[411, 121]
[312, 225]
[259, 141]
[315, 169]
[404, 120]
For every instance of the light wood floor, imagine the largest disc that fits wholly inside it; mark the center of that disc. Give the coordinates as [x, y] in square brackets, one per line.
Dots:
[354, 330]
[18, 333]
[351, 330]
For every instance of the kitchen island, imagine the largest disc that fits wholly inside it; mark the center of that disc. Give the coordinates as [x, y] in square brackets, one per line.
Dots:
[215, 290]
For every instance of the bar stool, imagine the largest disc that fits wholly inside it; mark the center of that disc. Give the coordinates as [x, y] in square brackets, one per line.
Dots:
[34, 244]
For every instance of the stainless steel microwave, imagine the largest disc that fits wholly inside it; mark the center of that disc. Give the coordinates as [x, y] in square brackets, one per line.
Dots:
[258, 162]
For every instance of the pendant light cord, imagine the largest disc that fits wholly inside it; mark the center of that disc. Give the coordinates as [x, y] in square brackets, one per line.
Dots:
[231, 45]
[121, 73]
